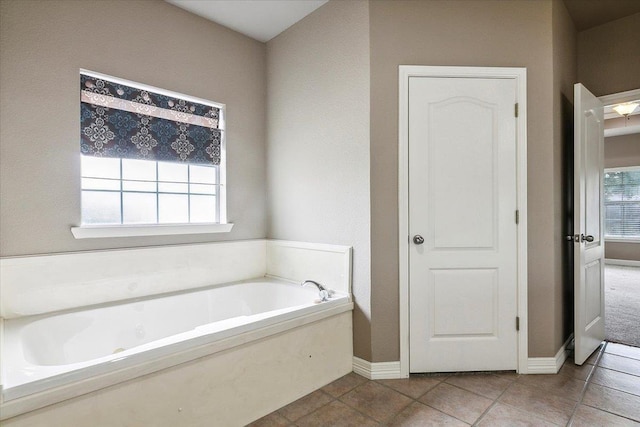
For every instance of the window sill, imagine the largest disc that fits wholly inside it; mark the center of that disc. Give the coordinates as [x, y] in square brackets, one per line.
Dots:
[105, 231]
[614, 240]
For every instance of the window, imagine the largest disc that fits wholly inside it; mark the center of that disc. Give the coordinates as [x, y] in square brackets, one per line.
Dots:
[128, 191]
[149, 156]
[622, 203]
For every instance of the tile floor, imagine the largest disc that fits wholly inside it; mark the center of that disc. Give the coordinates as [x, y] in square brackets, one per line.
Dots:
[604, 395]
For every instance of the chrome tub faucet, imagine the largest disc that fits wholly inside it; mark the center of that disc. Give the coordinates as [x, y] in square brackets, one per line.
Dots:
[325, 293]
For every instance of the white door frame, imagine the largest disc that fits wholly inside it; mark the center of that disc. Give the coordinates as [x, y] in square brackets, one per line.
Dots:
[520, 76]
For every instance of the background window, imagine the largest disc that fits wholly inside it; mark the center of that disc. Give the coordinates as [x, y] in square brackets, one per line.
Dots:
[622, 203]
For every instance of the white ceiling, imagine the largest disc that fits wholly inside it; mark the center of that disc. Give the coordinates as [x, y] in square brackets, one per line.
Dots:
[265, 19]
[258, 19]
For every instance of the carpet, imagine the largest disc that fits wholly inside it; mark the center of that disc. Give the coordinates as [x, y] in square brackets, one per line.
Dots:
[622, 304]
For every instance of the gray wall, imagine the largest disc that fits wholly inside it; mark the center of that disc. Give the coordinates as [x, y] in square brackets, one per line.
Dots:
[608, 59]
[474, 33]
[318, 140]
[45, 43]
[622, 151]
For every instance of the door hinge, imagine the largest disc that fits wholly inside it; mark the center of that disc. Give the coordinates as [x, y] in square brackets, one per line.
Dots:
[516, 109]
[517, 216]
[517, 323]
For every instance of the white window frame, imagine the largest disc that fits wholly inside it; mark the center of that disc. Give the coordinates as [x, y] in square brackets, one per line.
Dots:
[85, 231]
[621, 239]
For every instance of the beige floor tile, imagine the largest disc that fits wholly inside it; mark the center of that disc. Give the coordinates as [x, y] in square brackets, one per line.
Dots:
[344, 384]
[414, 386]
[579, 372]
[620, 363]
[377, 401]
[508, 375]
[335, 414]
[618, 380]
[587, 416]
[617, 402]
[503, 415]
[420, 415]
[305, 405]
[561, 385]
[623, 350]
[486, 385]
[454, 401]
[272, 420]
[537, 402]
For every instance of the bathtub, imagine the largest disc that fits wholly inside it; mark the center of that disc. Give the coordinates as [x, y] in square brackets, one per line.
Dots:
[134, 338]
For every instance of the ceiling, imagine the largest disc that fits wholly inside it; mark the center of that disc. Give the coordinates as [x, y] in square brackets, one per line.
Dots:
[259, 19]
[591, 13]
[265, 19]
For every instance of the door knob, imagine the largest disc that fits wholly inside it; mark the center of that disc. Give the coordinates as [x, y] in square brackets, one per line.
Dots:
[587, 238]
[418, 239]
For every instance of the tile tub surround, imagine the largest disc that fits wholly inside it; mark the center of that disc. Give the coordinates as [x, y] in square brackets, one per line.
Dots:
[606, 394]
[40, 284]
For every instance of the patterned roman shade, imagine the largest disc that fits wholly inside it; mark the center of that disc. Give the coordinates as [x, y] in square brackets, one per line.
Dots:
[122, 121]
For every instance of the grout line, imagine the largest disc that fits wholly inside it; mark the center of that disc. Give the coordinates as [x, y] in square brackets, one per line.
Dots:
[288, 419]
[441, 411]
[619, 371]
[587, 381]
[356, 409]
[411, 397]
[495, 402]
[612, 413]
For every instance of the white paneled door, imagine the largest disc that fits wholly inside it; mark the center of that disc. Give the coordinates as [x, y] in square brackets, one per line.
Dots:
[588, 223]
[463, 252]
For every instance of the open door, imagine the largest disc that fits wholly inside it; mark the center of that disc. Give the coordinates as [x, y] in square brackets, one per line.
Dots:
[588, 223]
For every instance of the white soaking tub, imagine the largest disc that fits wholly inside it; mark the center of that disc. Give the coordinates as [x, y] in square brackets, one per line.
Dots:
[144, 335]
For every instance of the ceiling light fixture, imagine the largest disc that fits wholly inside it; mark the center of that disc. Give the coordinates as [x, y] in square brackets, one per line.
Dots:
[626, 109]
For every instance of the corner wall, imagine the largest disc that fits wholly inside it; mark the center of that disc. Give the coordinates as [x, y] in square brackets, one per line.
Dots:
[467, 33]
[564, 76]
[43, 44]
[608, 59]
[608, 62]
[318, 140]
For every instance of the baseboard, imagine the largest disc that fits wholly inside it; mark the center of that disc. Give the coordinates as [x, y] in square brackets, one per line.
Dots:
[391, 370]
[376, 371]
[625, 262]
[549, 365]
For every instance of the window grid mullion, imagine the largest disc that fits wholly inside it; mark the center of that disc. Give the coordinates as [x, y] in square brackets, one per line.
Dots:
[157, 195]
[121, 195]
[189, 192]
[217, 187]
[120, 190]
